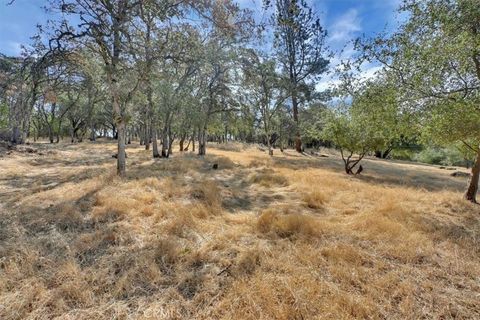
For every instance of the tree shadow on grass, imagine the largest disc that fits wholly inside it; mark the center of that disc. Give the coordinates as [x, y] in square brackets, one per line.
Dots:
[379, 173]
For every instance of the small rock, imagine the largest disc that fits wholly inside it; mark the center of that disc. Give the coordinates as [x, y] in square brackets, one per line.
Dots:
[215, 166]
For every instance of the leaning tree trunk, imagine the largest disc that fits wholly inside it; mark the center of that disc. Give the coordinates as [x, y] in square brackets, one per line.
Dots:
[471, 194]
[188, 145]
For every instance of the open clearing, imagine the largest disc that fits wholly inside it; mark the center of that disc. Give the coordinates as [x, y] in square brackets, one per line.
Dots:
[288, 237]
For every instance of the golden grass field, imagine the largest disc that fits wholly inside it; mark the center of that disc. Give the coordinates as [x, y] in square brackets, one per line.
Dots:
[288, 237]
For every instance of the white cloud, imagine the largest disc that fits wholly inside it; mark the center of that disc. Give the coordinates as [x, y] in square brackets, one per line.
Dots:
[345, 27]
[342, 32]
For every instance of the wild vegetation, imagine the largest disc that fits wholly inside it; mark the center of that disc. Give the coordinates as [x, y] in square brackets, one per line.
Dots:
[241, 190]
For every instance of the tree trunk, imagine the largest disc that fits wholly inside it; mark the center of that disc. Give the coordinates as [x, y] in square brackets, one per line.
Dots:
[269, 145]
[147, 137]
[202, 142]
[188, 145]
[121, 165]
[471, 194]
[93, 134]
[165, 144]
[298, 138]
[182, 141]
[142, 137]
[16, 136]
[50, 134]
[154, 143]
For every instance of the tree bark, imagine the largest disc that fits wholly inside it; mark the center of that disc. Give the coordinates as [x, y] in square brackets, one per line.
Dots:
[170, 146]
[121, 165]
[298, 138]
[156, 154]
[471, 194]
[202, 142]
[182, 141]
[147, 138]
[269, 145]
[50, 134]
[165, 144]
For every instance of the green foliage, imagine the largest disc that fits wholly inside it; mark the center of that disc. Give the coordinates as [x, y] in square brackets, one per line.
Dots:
[434, 58]
[313, 122]
[3, 116]
[351, 132]
[449, 156]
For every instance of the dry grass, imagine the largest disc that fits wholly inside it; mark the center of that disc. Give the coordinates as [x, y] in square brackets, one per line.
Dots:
[288, 237]
[286, 225]
[315, 199]
[268, 178]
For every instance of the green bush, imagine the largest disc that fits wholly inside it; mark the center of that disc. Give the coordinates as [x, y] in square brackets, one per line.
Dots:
[442, 156]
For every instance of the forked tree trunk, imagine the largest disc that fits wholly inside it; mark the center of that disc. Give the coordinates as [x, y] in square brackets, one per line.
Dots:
[471, 194]
[348, 170]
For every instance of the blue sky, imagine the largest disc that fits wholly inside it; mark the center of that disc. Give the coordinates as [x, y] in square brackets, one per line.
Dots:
[344, 20]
